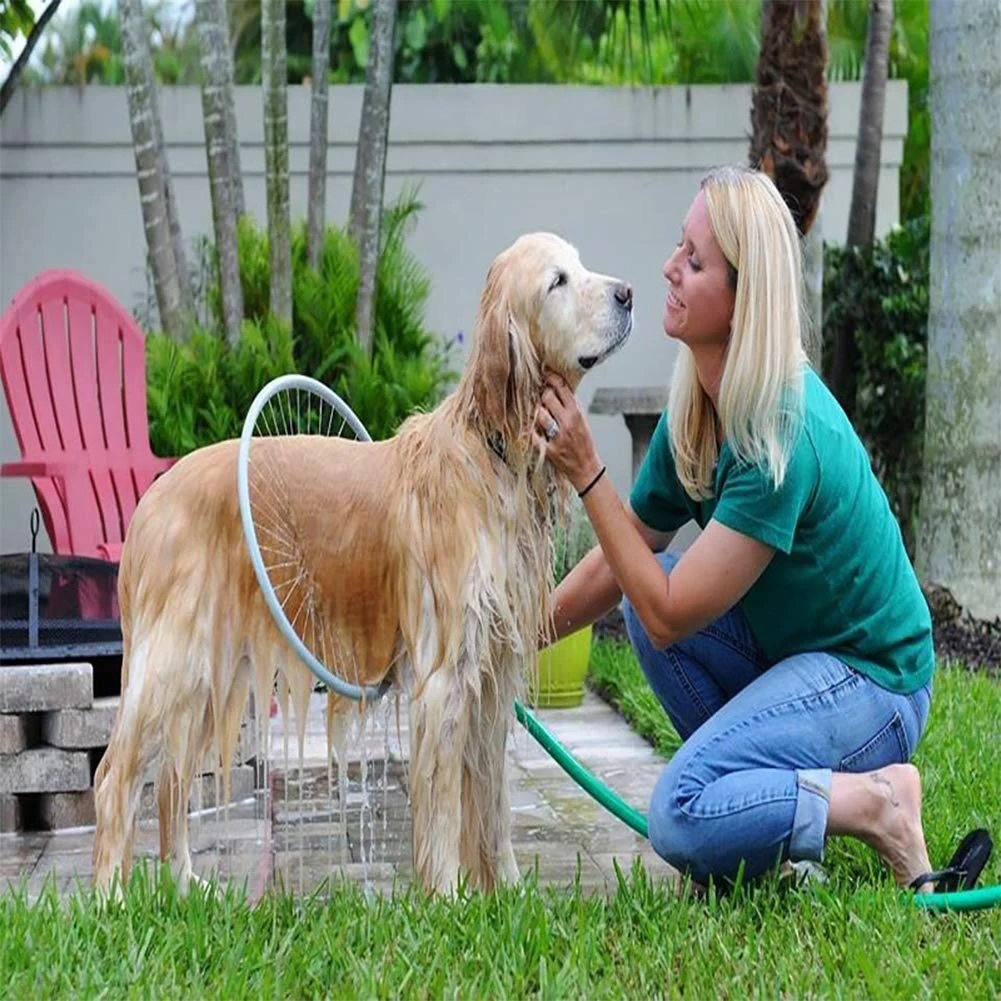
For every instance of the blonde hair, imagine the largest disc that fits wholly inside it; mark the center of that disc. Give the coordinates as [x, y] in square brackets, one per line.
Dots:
[761, 393]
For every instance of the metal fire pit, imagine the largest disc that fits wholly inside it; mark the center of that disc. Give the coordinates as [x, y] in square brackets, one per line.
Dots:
[55, 607]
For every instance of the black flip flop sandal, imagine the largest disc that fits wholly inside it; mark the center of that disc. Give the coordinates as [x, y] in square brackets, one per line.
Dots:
[964, 868]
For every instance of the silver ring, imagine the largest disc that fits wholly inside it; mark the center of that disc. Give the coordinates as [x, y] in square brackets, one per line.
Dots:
[552, 430]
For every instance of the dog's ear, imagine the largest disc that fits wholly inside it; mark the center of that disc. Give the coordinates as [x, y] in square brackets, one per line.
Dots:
[494, 354]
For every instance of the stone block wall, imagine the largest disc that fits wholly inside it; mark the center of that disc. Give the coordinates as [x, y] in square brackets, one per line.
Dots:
[53, 733]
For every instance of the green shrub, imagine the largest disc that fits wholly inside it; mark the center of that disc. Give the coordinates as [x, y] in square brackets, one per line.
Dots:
[882, 297]
[200, 391]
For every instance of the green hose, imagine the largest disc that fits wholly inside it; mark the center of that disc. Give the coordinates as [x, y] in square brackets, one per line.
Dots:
[976, 899]
[960, 900]
[588, 782]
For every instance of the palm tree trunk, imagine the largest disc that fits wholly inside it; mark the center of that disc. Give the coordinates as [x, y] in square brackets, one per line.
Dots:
[370, 161]
[959, 536]
[317, 199]
[812, 249]
[789, 104]
[176, 236]
[274, 72]
[232, 134]
[174, 221]
[152, 172]
[213, 45]
[865, 183]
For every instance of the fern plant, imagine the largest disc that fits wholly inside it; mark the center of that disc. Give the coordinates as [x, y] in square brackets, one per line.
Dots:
[200, 391]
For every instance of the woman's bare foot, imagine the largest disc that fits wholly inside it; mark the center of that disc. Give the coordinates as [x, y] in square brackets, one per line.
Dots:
[883, 809]
[897, 835]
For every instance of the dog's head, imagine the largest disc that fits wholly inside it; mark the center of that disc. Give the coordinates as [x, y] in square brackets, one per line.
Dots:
[541, 309]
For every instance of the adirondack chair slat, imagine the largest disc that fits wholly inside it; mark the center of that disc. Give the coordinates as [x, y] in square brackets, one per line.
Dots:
[117, 507]
[56, 354]
[73, 367]
[36, 379]
[136, 415]
[15, 381]
[66, 465]
[109, 378]
[134, 388]
[81, 341]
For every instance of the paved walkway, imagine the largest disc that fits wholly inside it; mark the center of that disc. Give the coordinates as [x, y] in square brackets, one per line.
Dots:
[293, 838]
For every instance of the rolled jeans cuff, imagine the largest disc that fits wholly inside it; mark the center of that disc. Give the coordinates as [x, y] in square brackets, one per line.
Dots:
[810, 820]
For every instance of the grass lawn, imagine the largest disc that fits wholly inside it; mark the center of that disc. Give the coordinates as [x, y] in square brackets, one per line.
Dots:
[850, 937]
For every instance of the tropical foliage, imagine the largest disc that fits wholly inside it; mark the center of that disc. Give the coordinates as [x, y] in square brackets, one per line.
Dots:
[880, 295]
[16, 21]
[83, 45]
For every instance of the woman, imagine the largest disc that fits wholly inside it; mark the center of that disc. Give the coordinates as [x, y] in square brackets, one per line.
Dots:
[790, 645]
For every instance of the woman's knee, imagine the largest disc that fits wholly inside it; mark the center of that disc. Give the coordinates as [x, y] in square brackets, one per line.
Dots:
[674, 833]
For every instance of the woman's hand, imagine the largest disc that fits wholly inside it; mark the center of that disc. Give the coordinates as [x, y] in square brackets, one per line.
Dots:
[564, 434]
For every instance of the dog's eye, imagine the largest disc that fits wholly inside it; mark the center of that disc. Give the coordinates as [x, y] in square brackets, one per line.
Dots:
[558, 280]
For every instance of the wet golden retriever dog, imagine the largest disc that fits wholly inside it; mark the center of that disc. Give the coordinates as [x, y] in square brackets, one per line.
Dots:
[424, 558]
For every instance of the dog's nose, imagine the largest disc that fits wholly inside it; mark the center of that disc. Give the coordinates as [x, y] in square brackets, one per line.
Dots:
[624, 295]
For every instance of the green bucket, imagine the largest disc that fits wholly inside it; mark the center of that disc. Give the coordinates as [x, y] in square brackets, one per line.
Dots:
[562, 672]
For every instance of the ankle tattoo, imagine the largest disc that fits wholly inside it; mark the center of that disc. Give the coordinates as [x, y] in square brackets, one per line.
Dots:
[887, 787]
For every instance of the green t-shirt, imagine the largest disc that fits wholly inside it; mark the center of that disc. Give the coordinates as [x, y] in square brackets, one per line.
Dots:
[840, 580]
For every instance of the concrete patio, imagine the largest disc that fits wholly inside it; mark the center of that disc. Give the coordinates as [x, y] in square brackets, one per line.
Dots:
[293, 838]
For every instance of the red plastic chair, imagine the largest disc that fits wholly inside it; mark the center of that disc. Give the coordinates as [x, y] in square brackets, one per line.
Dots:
[73, 365]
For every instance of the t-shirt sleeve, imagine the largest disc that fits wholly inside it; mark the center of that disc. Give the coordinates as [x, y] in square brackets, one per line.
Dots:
[750, 504]
[657, 496]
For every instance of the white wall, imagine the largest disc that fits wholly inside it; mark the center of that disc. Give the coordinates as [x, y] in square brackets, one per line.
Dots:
[613, 170]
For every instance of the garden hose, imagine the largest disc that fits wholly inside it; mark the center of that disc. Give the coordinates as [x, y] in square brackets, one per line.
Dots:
[979, 898]
[591, 784]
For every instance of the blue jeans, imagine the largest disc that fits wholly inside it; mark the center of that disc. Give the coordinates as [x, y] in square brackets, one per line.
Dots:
[752, 780]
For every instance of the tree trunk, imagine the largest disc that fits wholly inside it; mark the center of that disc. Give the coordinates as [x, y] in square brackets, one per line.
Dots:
[789, 104]
[812, 249]
[865, 182]
[10, 81]
[213, 46]
[317, 200]
[174, 221]
[176, 236]
[370, 162]
[273, 68]
[152, 171]
[232, 133]
[959, 536]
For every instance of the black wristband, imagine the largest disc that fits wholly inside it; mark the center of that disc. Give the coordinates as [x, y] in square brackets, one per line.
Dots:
[592, 483]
